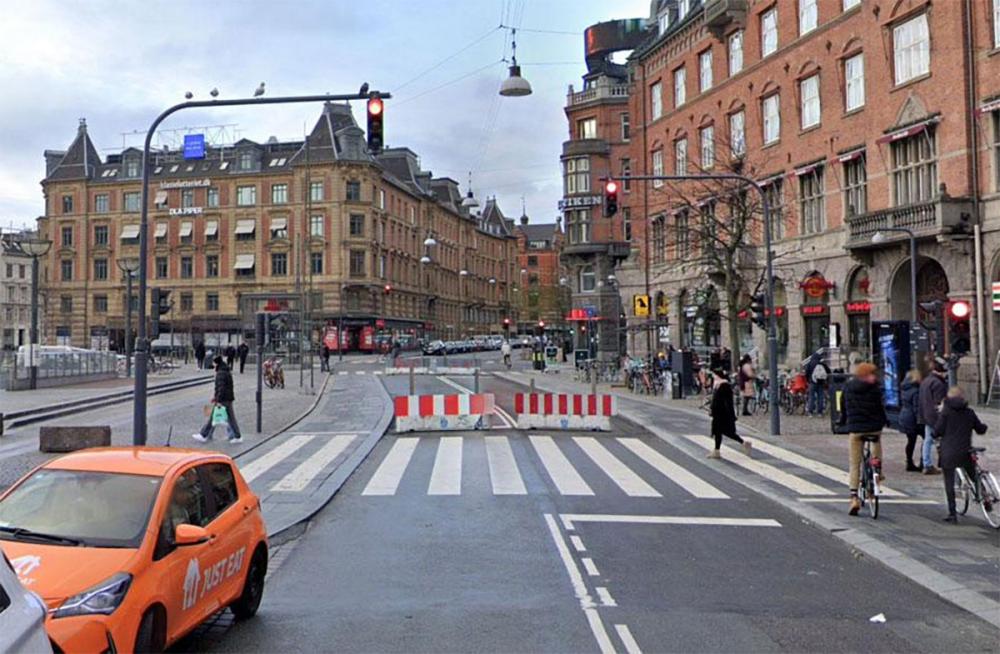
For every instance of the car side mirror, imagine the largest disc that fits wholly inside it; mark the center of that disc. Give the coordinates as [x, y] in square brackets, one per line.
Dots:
[190, 535]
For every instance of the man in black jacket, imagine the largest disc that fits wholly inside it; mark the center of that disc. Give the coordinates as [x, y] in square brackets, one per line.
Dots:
[224, 397]
[723, 410]
[241, 353]
[932, 391]
[864, 415]
[954, 428]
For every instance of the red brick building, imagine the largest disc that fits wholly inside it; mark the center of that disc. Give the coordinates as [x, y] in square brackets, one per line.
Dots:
[541, 294]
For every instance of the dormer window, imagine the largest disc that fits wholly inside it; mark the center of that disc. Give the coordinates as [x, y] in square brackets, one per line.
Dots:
[131, 167]
[664, 21]
[246, 161]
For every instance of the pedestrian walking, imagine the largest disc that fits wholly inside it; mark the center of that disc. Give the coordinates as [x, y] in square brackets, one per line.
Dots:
[864, 416]
[230, 356]
[909, 417]
[394, 352]
[324, 359]
[224, 397]
[242, 351]
[199, 354]
[745, 380]
[933, 390]
[954, 427]
[723, 412]
[817, 374]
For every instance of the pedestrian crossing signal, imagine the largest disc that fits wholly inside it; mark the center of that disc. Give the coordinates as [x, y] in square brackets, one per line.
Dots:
[640, 305]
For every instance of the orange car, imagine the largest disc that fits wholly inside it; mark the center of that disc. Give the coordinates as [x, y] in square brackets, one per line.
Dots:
[132, 548]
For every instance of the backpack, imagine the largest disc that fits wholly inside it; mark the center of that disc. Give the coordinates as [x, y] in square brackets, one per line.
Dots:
[819, 374]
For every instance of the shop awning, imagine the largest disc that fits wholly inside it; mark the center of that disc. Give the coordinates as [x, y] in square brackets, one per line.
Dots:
[988, 106]
[244, 262]
[161, 230]
[808, 168]
[279, 223]
[160, 199]
[906, 132]
[211, 228]
[246, 226]
[851, 156]
[130, 231]
[186, 229]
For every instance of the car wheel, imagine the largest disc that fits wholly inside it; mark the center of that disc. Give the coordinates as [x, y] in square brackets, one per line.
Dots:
[149, 637]
[246, 606]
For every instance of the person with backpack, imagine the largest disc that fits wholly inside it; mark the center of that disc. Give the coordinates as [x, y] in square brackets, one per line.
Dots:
[954, 427]
[723, 412]
[817, 374]
[222, 397]
[909, 417]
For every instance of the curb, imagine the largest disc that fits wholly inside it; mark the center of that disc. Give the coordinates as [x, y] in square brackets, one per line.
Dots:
[295, 421]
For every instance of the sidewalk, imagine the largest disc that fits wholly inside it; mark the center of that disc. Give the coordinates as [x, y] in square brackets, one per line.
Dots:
[960, 563]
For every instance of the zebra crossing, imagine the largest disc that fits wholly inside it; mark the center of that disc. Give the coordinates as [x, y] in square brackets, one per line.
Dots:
[297, 463]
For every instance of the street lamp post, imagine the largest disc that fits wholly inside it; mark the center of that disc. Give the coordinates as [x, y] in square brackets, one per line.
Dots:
[128, 267]
[613, 283]
[36, 248]
[879, 237]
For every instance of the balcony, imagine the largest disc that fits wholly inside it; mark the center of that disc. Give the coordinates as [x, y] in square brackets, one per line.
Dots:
[598, 92]
[942, 217]
[721, 15]
[612, 249]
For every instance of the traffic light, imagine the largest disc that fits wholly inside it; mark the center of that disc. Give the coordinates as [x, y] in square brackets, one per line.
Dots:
[610, 198]
[375, 115]
[959, 334]
[506, 324]
[758, 310]
[159, 304]
[387, 289]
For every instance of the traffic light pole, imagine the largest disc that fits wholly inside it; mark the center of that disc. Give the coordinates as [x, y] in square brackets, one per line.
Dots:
[772, 323]
[139, 427]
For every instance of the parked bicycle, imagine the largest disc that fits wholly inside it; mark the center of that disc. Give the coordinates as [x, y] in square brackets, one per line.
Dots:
[981, 487]
[274, 374]
[794, 394]
[869, 487]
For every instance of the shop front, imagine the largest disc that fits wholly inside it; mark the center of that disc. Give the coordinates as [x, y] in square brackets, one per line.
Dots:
[815, 310]
[858, 309]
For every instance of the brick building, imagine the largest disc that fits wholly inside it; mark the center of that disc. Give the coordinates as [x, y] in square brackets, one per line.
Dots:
[543, 292]
[856, 116]
[261, 225]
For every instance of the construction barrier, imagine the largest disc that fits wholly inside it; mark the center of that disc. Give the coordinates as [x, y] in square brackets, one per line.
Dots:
[564, 411]
[443, 412]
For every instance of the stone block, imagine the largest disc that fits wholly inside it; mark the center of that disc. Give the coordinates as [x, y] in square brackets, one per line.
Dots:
[70, 439]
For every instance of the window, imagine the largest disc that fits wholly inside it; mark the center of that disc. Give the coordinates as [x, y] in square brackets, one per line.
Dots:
[211, 265]
[66, 270]
[579, 225]
[811, 201]
[914, 169]
[100, 304]
[67, 236]
[996, 148]
[279, 264]
[705, 70]
[588, 279]
[221, 485]
[532, 261]
[316, 263]
[657, 167]
[100, 234]
[682, 236]
[187, 302]
[187, 198]
[211, 301]
[279, 228]
[663, 21]
[161, 267]
[768, 31]
[132, 200]
[735, 52]
[774, 190]
[316, 191]
[381, 198]
[911, 44]
[279, 193]
[586, 128]
[680, 86]
[67, 204]
[807, 16]
[211, 231]
[737, 134]
[627, 223]
[187, 267]
[772, 119]
[213, 196]
[680, 157]
[656, 100]
[102, 203]
[357, 224]
[854, 82]
[626, 124]
[316, 226]
[354, 191]
[187, 233]
[246, 161]
[683, 7]
[100, 269]
[996, 23]
[707, 147]
[246, 196]
[66, 304]
[577, 175]
[855, 186]
[809, 97]
[357, 263]
[659, 244]
[851, 4]
[626, 173]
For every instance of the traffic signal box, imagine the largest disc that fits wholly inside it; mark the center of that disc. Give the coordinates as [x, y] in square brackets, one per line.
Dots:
[610, 198]
[376, 114]
[959, 332]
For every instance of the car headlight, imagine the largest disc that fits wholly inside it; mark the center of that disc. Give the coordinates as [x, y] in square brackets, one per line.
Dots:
[101, 599]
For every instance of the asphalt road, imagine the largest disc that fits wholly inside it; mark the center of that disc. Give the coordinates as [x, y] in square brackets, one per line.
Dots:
[452, 543]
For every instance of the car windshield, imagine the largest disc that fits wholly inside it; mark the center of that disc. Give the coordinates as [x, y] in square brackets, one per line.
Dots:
[95, 509]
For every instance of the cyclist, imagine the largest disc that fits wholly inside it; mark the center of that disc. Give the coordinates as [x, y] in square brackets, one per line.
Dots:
[505, 351]
[954, 428]
[864, 416]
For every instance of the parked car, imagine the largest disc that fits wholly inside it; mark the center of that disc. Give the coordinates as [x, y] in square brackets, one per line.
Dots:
[434, 348]
[22, 614]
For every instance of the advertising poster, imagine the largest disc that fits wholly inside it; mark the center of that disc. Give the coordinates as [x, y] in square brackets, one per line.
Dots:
[890, 368]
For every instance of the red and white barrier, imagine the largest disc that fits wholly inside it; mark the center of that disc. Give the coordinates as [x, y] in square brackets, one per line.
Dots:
[443, 412]
[565, 411]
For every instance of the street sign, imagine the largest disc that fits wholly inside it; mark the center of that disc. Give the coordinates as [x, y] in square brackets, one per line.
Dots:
[996, 296]
[590, 310]
[194, 146]
[640, 305]
[664, 334]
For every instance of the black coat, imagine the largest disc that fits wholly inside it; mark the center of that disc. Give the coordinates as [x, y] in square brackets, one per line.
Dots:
[723, 410]
[223, 384]
[909, 411]
[864, 408]
[932, 391]
[954, 428]
[199, 351]
[242, 351]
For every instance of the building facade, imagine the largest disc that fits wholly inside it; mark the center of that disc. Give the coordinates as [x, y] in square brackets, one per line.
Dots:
[319, 226]
[15, 294]
[543, 292]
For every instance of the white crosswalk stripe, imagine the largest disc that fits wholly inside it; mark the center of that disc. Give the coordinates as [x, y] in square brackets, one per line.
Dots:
[263, 463]
[504, 475]
[675, 473]
[446, 478]
[386, 479]
[299, 478]
[622, 475]
[836, 474]
[565, 477]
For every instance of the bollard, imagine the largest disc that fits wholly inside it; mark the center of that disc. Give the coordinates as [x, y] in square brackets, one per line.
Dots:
[413, 383]
[532, 385]
[476, 375]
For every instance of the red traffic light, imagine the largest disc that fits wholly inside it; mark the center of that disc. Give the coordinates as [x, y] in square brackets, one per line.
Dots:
[611, 187]
[375, 106]
[388, 289]
[541, 323]
[960, 309]
[506, 321]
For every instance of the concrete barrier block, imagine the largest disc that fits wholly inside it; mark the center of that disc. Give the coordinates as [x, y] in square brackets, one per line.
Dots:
[70, 439]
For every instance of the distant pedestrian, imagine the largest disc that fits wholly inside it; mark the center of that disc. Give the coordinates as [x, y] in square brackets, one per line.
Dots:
[954, 428]
[394, 352]
[230, 356]
[242, 351]
[746, 381]
[199, 354]
[224, 397]
[933, 390]
[324, 359]
[909, 417]
[817, 374]
[723, 411]
[864, 416]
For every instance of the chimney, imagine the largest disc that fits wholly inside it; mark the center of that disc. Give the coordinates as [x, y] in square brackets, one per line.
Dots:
[524, 219]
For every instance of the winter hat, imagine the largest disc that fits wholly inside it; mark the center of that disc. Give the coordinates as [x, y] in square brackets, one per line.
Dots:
[865, 369]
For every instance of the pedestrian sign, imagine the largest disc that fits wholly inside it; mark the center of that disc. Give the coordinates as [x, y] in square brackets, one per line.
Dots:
[640, 305]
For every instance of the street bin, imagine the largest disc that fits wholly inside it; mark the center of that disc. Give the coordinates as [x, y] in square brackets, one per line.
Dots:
[837, 380]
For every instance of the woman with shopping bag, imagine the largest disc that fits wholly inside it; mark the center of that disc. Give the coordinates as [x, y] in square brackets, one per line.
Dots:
[221, 407]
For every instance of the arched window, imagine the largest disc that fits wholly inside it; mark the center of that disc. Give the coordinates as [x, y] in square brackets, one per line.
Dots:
[588, 279]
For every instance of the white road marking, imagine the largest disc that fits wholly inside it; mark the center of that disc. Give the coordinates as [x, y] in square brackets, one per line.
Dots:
[672, 471]
[577, 543]
[504, 474]
[565, 477]
[621, 474]
[600, 633]
[263, 463]
[590, 566]
[446, 477]
[360, 372]
[882, 500]
[822, 469]
[569, 518]
[342, 372]
[305, 472]
[605, 596]
[631, 647]
[386, 479]
[778, 476]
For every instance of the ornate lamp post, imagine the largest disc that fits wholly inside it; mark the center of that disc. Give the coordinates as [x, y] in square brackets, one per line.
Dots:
[36, 248]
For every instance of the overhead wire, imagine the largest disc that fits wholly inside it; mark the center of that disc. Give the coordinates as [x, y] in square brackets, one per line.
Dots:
[446, 59]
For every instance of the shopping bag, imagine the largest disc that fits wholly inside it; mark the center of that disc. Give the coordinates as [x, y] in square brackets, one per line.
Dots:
[219, 416]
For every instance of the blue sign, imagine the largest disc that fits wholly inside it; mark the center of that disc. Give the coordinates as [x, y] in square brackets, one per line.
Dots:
[590, 310]
[194, 146]
[890, 366]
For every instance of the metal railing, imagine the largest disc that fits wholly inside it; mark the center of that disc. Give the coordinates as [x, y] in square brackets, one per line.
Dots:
[919, 218]
[599, 92]
[78, 363]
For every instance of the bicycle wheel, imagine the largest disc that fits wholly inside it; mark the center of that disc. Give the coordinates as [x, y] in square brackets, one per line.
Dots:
[989, 498]
[872, 500]
[962, 486]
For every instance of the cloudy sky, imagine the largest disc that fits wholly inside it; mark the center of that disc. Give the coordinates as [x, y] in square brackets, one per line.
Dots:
[120, 63]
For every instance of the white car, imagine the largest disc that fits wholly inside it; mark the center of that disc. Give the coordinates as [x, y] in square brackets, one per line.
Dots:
[22, 615]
